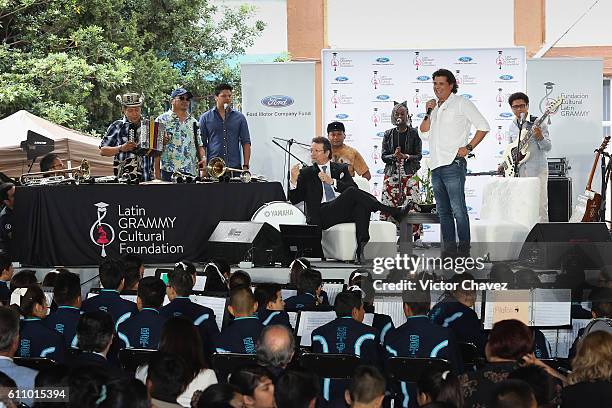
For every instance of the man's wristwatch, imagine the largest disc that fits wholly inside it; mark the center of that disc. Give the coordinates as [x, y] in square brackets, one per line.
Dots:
[469, 147]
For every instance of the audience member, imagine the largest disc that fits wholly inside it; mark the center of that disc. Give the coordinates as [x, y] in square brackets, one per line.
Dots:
[181, 338]
[275, 348]
[435, 386]
[361, 280]
[239, 278]
[513, 394]
[35, 338]
[95, 333]
[9, 342]
[240, 336]
[67, 295]
[295, 269]
[143, 329]
[23, 279]
[367, 388]
[271, 306]
[540, 382]
[309, 288]
[219, 396]
[49, 279]
[217, 273]
[256, 386]
[591, 377]
[346, 335]
[296, 389]
[134, 271]
[6, 274]
[166, 379]
[94, 388]
[112, 278]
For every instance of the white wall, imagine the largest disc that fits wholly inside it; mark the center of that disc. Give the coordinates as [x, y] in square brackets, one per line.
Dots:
[385, 24]
[593, 29]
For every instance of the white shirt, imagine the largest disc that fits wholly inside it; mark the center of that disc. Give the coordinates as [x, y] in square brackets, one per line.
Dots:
[205, 378]
[450, 128]
[537, 162]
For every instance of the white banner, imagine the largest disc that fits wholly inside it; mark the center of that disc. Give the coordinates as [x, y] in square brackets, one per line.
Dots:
[359, 87]
[576, 129]
[278, 101]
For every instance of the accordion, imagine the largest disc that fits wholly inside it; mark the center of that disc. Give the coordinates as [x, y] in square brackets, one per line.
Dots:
[149, 137]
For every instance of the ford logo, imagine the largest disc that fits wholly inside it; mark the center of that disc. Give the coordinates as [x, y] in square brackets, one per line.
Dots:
[423, 78]
[382, 97]
[426, 227]
[501, 152]
[505, 115]
[341, 78]
[277, 101]
[341, 116]
[383, 59]
[467, 96]
[505, 77]
[380, 171]
[465, 59]
[380, 134]
[421, 115]
[469, 208]
[425, 152]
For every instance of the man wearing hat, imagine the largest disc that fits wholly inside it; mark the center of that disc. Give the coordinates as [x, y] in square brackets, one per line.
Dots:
[342, 153]
[184, 152]
[117, 141]
[7, 194]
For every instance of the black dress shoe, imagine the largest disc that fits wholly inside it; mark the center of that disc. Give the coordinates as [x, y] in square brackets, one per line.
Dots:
[359, 257]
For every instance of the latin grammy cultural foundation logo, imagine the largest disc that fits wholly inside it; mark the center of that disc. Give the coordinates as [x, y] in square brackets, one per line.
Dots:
[499, 61]
[547, 99]
[334, 61]
[417, 61]
[102, 233]
[375, 80]
[375, 117]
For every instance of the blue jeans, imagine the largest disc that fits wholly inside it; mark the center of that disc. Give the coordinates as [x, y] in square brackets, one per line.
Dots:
[449, 190]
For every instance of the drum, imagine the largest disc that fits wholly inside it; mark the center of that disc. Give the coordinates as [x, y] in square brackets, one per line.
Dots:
[279, 212]
[601, 324]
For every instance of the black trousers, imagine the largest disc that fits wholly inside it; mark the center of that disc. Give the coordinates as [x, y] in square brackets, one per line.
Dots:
[353, 205]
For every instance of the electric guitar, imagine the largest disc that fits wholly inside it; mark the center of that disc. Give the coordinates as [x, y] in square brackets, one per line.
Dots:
[588, 204]
[517, 150]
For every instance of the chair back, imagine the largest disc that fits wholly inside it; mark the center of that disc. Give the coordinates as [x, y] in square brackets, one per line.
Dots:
[409, 369]
[35, 363]
[334, 366]
[131, 359]
[226, 363]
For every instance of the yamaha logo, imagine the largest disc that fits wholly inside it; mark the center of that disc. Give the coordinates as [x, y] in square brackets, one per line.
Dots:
[277, 101]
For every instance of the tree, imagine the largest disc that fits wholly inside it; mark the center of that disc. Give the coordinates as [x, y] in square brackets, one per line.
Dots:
[66, 60]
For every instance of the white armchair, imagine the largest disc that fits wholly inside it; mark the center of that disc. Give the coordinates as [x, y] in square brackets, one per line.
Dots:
[339, 241]
[510, 209]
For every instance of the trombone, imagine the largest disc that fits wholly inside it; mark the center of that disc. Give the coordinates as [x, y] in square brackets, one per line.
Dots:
[78, 174]
[216, 169]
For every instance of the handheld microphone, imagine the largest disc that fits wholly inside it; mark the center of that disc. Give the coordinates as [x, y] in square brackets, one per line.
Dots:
[428, 111]
[225, 106]
[398, 121]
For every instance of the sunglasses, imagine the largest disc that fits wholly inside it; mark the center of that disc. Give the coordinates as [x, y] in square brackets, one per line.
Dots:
[184, 98]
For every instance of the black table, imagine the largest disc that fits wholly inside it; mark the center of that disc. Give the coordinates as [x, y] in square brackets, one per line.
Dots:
[164, 223]
[405, 238]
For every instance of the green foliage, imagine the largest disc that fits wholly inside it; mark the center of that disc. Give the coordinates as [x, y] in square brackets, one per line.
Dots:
[66, 60]
[426, 195]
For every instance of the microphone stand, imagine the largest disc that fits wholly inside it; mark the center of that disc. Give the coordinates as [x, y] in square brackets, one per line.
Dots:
[521, 123]
[289, 143]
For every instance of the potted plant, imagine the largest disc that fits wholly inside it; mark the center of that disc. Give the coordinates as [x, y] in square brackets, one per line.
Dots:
[425, 197]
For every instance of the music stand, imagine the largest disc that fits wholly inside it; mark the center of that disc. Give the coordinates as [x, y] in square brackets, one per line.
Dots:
[302, 240]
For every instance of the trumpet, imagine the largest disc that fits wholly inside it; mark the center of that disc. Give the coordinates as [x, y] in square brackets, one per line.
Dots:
[216, 169]
[78, 174]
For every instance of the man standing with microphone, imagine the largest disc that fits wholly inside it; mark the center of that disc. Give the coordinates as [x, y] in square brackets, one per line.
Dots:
[447, 126]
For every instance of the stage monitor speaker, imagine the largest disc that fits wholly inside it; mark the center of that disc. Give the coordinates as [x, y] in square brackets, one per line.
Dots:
[548, 244]
[559, 199]
[238, 241]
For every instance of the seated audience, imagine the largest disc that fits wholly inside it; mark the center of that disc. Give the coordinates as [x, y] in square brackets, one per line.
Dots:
[256, 386]
[112, 278]
[180, 285]
[67, 295]
[367, 388]
[217, 273]
[239, 278]
[346, 335]
[361, 280]
[240, 336]
[271, 306]
[6, 273]
[9, 342]
[23, 279]
[219, 396]
[309, 289]
[95, 333]
[134, 271]
[166, 379]
[181, 338]
[544, 389]
[513, 394]
[96, 389]
[601, 307]
[143, 329]
[456, 312]
[591, 377]
[275, 348]
[296, 389]
[295, 269]
[435, 386]
[35, 338]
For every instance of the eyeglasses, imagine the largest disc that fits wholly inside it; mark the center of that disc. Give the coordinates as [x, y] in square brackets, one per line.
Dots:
[521, 106]
[184, 98]
[316, 150]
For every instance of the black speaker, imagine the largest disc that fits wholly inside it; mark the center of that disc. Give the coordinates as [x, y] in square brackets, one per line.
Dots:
[245, 240]
[559, 199]
[548, 244]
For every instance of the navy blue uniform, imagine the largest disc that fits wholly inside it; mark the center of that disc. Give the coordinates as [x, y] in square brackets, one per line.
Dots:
[345, 335]
[301, 302]
[89, 359]
[110, 302]
[383, 324]
[541, 348]
[142, 330]
[203, 317]
[419, 337]
[271, 317]
[461, 319]
[5, 293]
[240, 336]
[64, 320]
[37, 340]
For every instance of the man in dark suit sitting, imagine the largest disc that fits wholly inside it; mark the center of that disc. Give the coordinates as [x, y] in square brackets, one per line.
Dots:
[331, 196]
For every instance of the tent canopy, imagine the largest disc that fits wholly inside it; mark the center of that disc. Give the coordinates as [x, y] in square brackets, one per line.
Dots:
[69, 145]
